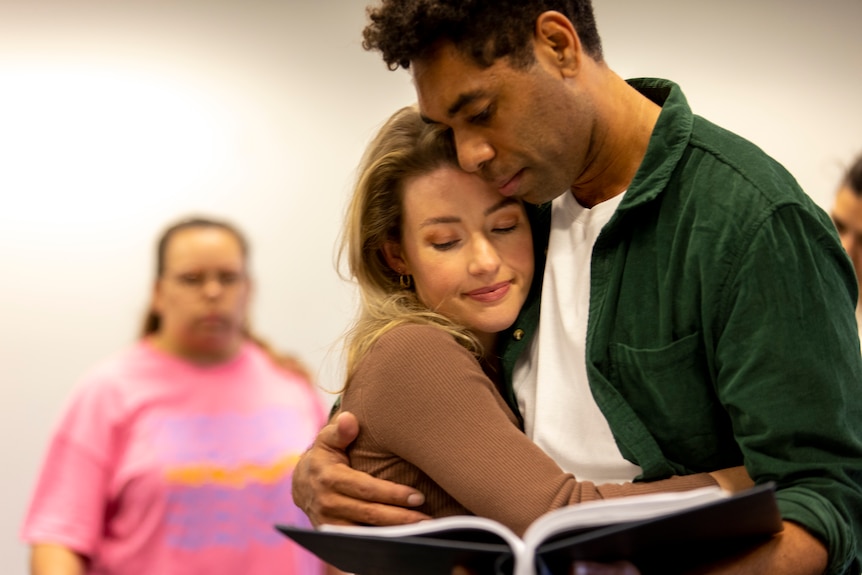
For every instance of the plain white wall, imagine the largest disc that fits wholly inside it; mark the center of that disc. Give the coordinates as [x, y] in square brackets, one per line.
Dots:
[116, 117]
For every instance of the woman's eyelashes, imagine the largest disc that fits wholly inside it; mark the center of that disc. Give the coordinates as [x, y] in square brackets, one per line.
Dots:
[506, 228]
[446, 243]
[444, 246]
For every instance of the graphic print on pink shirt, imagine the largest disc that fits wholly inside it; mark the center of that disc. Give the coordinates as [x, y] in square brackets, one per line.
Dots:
[226, 483]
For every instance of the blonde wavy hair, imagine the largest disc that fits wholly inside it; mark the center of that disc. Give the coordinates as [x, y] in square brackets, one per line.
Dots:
[405, 148]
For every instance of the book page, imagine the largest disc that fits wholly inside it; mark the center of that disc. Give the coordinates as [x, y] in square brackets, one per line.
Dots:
[617, 510]
[434, 527]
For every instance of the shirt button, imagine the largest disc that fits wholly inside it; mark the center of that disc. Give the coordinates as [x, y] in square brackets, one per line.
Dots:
[518, 334]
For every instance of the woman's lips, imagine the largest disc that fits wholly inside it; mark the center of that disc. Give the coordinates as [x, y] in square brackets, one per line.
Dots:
[492, 293]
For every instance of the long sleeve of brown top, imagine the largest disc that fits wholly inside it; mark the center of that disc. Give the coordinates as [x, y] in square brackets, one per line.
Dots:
[430, 418]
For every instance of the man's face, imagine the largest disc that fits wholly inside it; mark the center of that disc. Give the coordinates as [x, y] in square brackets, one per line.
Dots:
[202, 296]
[519, 129]
[847, 215]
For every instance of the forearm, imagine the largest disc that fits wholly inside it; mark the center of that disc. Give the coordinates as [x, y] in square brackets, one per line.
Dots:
[792, 552]
[50, 559]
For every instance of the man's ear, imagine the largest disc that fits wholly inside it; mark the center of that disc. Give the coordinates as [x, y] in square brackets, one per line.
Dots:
[557, 42]
[394, 257]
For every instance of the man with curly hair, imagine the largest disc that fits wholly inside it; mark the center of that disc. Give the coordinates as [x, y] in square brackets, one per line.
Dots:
[696, 306]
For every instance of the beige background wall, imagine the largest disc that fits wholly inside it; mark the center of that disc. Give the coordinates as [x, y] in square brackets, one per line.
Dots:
[116, 117]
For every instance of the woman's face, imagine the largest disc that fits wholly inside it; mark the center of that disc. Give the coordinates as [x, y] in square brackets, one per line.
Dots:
[468, 248]
[202, 296]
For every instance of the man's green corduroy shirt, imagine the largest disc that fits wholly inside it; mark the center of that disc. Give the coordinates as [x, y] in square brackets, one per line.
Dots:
[721, 327]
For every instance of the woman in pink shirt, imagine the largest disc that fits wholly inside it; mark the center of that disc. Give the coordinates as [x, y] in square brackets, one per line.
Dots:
[176, 455]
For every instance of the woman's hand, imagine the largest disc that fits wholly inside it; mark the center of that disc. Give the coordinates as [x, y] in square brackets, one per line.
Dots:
[733, 479]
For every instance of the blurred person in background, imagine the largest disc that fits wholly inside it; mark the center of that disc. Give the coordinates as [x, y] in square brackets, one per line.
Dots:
[847, 215]
[176, 455]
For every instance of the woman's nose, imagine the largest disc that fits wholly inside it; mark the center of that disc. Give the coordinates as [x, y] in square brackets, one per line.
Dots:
[485, 258]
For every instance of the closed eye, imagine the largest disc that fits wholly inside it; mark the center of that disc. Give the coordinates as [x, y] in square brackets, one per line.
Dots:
[482, 117]
[191, 279]
[506, 230]
[228, 278]
[442, 247]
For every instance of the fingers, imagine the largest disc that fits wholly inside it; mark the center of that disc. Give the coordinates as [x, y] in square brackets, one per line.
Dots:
[349, 496]
[347, 511]
[345, 496]
[733, 479]
[355, 484]
[340, 433]
[310, 476]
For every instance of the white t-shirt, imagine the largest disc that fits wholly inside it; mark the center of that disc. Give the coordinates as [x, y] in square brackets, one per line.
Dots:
[550, 381]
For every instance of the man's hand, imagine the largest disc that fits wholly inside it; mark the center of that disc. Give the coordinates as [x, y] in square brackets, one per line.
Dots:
[794, 551]
[329, 491]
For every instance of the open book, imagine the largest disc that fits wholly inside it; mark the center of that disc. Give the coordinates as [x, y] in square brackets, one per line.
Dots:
[660, 533]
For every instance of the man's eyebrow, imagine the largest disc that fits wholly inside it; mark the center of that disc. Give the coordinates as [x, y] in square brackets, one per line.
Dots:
[462, 101]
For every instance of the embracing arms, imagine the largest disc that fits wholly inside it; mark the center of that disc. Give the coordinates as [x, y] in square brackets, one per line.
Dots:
[436, 410]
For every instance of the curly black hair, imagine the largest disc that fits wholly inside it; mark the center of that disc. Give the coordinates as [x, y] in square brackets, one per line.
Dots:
[404, 30]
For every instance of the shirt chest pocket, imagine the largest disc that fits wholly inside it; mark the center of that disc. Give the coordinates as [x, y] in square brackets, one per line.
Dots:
[671, 391]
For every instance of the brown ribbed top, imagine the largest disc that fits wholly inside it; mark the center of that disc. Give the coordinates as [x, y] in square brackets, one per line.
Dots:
[430, 418]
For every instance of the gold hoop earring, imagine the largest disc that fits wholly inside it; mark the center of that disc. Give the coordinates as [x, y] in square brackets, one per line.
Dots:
[405, 280]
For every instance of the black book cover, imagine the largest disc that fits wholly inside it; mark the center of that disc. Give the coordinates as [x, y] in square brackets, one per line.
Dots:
[666, 543]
